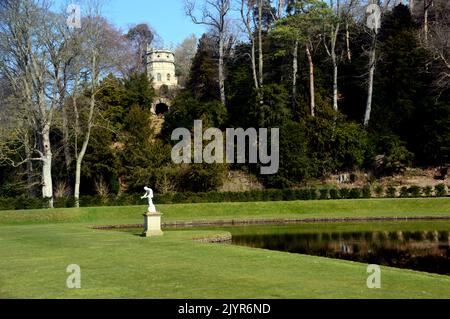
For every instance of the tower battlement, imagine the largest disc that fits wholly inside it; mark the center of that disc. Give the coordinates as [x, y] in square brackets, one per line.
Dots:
[161, 67]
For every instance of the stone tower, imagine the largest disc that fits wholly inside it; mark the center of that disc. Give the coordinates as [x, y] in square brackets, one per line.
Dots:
[161, 68]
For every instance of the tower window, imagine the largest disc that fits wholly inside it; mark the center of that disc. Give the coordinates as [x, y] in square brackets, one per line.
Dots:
[158, 77]
[168, 77]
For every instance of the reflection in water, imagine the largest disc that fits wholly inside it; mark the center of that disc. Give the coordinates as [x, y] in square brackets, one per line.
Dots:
[421, 250]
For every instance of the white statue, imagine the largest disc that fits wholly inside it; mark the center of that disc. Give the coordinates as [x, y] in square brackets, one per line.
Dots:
[149, 195]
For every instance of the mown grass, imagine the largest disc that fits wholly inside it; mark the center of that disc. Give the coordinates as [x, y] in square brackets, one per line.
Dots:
[228, 211]
[123, 265]
[37, 246]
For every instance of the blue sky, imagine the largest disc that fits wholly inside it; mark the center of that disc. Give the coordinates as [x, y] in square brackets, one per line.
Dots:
[167, 17]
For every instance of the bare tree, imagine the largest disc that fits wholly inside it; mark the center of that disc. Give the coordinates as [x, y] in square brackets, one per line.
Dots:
[280, 8]
[372, 61]
[439, 45]
[302, 26]
[373, 25]
[247, 15]
[34, 57]
[184, 54]
[330, 46]
[17, 138]
[348, 17]
[426, 6]
[312, 94]
[253, 13]
[140, 36]
[260, 43]
[213, 14]
[102, 47]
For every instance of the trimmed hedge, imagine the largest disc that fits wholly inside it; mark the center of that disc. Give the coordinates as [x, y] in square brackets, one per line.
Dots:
[391, 192]
[20, 203]
[440, 190]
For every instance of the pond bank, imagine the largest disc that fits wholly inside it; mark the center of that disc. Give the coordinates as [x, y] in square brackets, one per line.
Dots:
[273, 221]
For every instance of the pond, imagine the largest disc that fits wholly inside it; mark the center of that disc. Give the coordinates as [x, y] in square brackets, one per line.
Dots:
[417, 245]
[423, 246]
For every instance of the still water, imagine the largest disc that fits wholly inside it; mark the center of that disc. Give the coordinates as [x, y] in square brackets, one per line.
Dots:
[426, 248]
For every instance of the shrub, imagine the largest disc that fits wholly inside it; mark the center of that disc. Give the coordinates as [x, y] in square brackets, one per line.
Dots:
[379, 190]
[324, 193]
[440, 190]
[428, 191]
[62, 190]
[415, 191]
[300, 194]
[391, 192]
[404, 192]
[256, 195]
[344, 193]
[366, 192]
[288, 195]
[275, 195]
[312, 193]
[355, 193]
[393, 156]
[334, 194]
[101, 188]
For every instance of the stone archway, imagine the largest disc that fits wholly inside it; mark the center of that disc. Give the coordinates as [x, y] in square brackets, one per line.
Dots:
[161, 105]
[161, 108]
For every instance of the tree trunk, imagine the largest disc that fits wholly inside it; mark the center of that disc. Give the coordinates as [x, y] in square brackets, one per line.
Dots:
[221, 66]
[260, 44]
[66, 142]
[335, 73]
[347, 42]
[370, 85]
[246, 20]
[47, 185]
[253, 58]
[425, 21]
[426, 6]
[334, 35]
[29, 165]
[77, 183]
[280, 8]
[294, 74]
[80, 156]
[311, 81]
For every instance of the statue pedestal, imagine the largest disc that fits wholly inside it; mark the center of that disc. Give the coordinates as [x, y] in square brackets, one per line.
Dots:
[152, 225]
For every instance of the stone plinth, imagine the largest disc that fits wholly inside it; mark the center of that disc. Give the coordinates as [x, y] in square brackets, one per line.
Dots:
[152, 225]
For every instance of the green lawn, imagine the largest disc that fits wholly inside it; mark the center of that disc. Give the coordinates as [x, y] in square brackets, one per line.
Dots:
[228, 211]
[37, 246]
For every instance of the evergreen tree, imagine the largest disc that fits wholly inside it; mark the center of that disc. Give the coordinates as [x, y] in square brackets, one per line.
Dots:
[203, 80]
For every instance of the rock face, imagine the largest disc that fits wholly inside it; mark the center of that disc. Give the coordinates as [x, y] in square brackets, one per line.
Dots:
[239, 181]
[161, 68]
